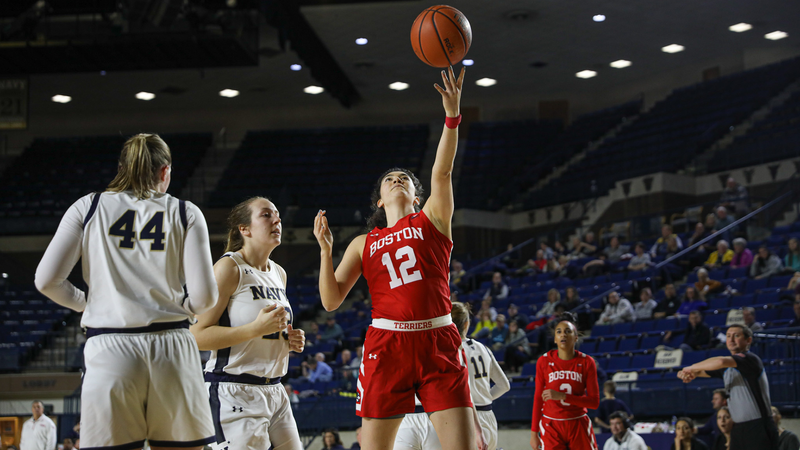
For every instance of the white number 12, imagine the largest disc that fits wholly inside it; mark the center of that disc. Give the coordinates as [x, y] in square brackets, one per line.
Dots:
[404, 267]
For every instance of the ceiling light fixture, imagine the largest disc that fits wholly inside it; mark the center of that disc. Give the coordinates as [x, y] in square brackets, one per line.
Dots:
[775, 35]
[586, 74]
[295, 67]
[486, 82]
[230, 93]
[398, 86]
[146, 96]
[61, 98]
[361, 41]
[620, 64]
[467, 62]
[672, 48]
[313, 90]
[740, 27]
[599, 18]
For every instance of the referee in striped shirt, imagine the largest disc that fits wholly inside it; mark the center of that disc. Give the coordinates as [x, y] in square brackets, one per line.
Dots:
[748, 390]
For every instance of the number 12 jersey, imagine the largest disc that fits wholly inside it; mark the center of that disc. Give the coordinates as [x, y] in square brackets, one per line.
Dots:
[407, 268]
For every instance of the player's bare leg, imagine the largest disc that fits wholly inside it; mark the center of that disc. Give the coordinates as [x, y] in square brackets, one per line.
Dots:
[379, 434]
[455, 428]
[175, 448]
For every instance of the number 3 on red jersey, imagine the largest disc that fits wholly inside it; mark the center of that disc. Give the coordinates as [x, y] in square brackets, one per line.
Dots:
[567, 388]
[405, 266]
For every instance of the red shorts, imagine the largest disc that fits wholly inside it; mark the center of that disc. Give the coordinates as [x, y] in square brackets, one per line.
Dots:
[574, 434]
[398, 364]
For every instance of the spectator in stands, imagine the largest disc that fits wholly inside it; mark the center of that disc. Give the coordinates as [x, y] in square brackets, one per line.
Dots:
[721, 257]
[697, 335]
[571, 298]
[702, 231]
[684, 436]
[38, 432]
[549, 308]
[742, 256]
[552, 266]
[559, 249]
[331, 440]
[512, 257]
[747, 386]
[765, 264]
[668, 306]
[609, 405]
[725, 426]
[518, 350]
[498, 290]
[796, 320]
[691, 302]
[792, 259]
[315, 369]
[333, 331]
[618, 310]
[548, 252]
[734, 198]
[623, 438]
[718, 400]
[457, 273]
[68, 444]
[661, 247]
[484, 326]
[610, 256]
[749, 316]
[293, 398]
[357, 443]
[313, 336]
[576, 251]
[786, 439]
[345, 358]
[589, 244]
[705, 285]
[698, 256]
[486, 305]
[499, 333]
[515, 316]
[723, 220]
[643, 309]
[641, 260]
[540, 261]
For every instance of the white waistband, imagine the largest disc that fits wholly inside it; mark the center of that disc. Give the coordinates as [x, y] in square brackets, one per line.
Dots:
[413, 325]
[572, 418]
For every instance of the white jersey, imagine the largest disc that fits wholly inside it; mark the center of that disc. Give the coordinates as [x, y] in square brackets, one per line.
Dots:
[267, 356]
[137, 256]
[38, 434]
[483, 367]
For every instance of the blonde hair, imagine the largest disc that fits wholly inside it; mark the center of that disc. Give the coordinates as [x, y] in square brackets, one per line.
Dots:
[140, 162]
[460, 315]
[239, 215]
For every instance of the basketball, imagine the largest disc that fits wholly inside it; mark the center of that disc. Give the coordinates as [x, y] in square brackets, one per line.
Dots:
[441, 36]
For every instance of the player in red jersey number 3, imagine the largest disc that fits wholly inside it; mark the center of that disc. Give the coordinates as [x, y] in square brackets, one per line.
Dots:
[412, 346]
[566, 386]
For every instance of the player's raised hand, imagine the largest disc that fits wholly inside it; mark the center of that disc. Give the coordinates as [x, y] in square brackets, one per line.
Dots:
[297, 339]
[323, 232]
[451, 92]
[550, 394]
[271, 319]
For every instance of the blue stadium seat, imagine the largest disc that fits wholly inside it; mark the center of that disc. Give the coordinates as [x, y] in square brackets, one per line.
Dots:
[622, 328]
[779, 282]
[721, 302]
[607, 346]
[716, 320]
[601, 330]
[619, 363]
[643, 326]
[668, 324]
[628, 345]
[768, 298]
[650, 342]
[589, 346]
[738, 273]
[643, 361]
[753, 285]
[529, 370]
[690, 358]
[742, 300]
[717, 274]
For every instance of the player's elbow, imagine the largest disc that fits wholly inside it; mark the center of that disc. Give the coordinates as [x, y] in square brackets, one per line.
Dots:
[205, 300]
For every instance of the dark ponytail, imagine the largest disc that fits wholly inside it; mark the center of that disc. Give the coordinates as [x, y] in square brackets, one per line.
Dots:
[378, 217]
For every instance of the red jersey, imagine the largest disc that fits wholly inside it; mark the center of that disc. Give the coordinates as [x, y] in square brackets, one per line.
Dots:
[407, 268]
[576, 377]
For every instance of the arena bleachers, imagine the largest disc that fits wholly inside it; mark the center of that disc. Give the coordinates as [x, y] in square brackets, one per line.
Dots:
[314, 168]
[39, 186]
[671, 134]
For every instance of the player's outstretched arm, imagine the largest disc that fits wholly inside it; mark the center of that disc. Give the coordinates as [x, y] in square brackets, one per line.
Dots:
[211, 336]
[334, 286]
[440, 205]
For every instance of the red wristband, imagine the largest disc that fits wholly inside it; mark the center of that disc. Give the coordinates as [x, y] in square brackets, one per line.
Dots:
[452, 122]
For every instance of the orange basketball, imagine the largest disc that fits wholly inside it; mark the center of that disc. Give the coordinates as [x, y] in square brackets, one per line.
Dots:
[441, 36]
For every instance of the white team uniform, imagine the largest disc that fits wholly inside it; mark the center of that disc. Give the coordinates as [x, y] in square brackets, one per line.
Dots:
[143, 377]
[250, 407]
[483, 367]
[416, 430]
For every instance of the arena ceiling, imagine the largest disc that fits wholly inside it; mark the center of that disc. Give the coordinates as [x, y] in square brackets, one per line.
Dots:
[530, 47]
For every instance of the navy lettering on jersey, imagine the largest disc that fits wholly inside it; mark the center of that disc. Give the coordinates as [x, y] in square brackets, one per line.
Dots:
[269, 293]
[397, 236]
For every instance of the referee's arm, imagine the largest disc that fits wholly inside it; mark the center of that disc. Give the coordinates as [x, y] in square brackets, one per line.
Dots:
[702, 368]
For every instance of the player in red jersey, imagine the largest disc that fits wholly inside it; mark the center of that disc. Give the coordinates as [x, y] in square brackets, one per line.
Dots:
[566, 386]
[412, 347]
